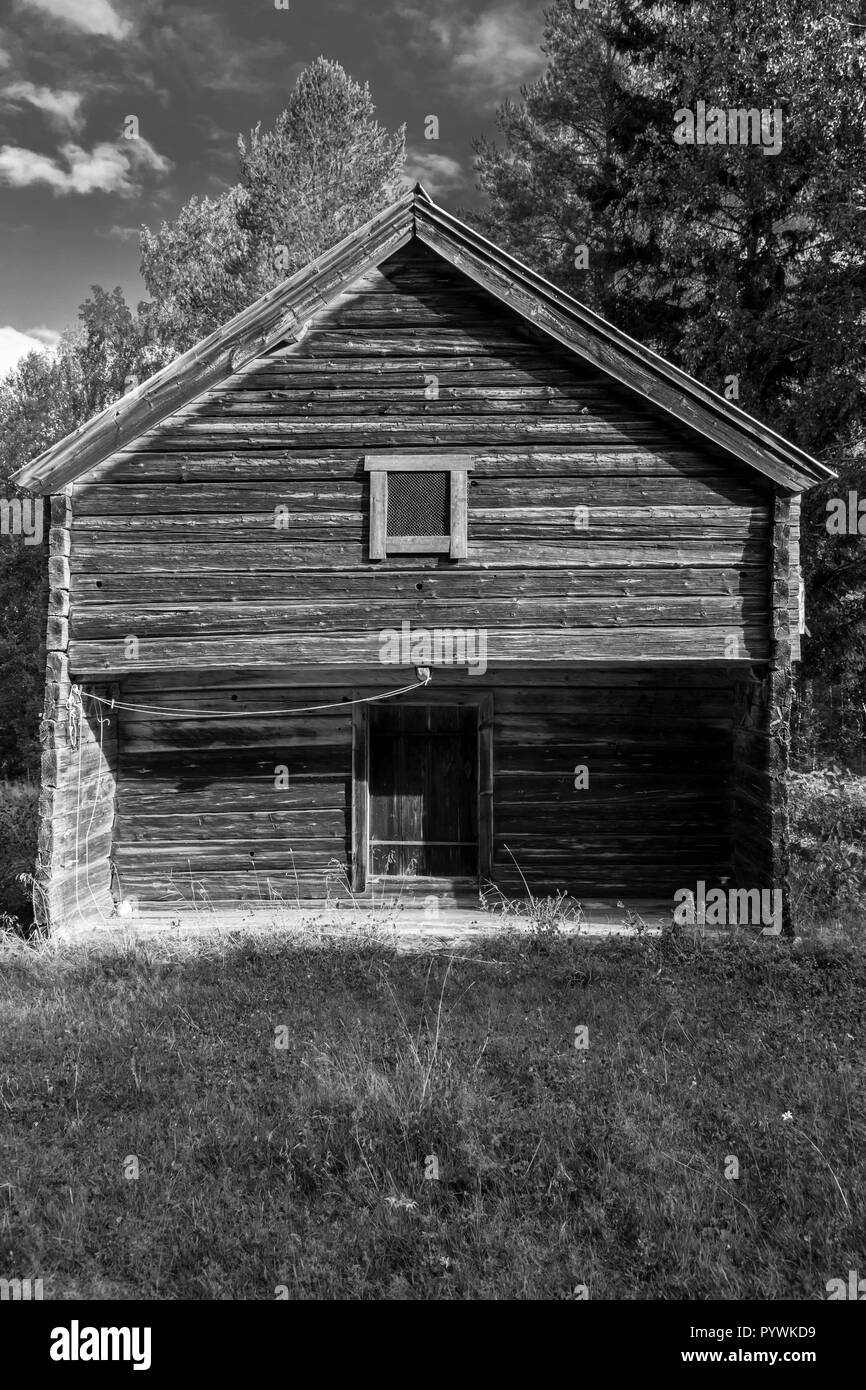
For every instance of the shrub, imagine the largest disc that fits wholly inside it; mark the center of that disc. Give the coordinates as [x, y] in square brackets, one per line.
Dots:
[18, 835]
[828, 839]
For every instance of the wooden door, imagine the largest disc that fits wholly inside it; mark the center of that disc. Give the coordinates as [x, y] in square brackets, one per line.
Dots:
[423, 791]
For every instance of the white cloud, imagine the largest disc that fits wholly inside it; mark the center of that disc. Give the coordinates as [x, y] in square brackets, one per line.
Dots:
[493, 52]
[5, 58]
[437, 172]
[499, 48]
[142, 153]
[15, 345]
[61, 108]
[118, 233]
[106, 168]
[91, 16]
[49, 337]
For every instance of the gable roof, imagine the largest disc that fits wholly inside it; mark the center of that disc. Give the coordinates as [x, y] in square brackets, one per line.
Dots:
[285, 312]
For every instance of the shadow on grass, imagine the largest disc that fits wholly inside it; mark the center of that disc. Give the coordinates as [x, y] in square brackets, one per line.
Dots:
[343, 1121]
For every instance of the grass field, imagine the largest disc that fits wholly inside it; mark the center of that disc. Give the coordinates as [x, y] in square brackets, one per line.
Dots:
[281, 1105]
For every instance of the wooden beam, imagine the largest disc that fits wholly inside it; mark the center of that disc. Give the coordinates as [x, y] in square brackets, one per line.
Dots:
[419, 545]
[459, 516]
[418, 463]
[378, 516]
[360, 759]
[485, 788]
[780, 705]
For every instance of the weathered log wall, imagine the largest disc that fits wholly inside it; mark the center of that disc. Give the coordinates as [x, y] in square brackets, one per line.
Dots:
[79, 767]
[175, 542]
[204, 814]
[636, 587]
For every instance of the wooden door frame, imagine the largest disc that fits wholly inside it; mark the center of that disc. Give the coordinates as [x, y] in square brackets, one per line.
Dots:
[482, 701]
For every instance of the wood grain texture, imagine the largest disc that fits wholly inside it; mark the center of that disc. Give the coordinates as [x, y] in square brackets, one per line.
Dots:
[635, 585]
[201, 819]
[235, 531]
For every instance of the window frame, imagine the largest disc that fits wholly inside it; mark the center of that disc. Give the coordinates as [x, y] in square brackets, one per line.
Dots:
[454, 545]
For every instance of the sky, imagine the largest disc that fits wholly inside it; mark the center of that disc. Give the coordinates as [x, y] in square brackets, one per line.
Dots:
[195, 74]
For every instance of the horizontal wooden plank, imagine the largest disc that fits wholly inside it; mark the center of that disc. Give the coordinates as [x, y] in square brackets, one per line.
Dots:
[249, 410]
[503, 645]
[313, 496]
[606, 880]
[579, 826]
[285, 737]
[167, 761]
[334, 683]
[335, 342]
[457, 377]
[606, 843]
[487, 526]
[459, 432]
[202, 890]
[622, 758]
[105, 622]
[670, 795]
[457, 584]
[604, 696]
[249, 827]
[617, 460]
[182, 795]
[195, 855]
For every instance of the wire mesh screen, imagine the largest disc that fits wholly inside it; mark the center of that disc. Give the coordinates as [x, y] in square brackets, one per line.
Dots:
[419, 504]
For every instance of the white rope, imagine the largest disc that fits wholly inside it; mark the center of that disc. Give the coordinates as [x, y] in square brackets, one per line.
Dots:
[170, 713]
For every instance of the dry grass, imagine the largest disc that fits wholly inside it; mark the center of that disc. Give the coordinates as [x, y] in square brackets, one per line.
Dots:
[302, 1166]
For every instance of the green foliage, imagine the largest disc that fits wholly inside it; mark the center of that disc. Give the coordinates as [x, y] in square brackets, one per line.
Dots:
[828, 841]
[728, 261]
[836, 569]
[325, 168]
[198, 272]
[570, 171]
[45, 397]
[18, 834]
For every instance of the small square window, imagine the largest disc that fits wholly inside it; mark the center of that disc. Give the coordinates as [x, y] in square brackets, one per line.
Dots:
[418, 504]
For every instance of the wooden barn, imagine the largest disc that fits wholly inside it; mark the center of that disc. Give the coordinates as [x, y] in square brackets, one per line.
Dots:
[415, 577]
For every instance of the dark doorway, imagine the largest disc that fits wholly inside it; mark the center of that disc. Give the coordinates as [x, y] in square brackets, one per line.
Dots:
[423, 788]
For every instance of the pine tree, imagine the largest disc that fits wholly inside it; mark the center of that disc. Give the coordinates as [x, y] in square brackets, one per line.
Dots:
[747, 268]
[325, 168]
